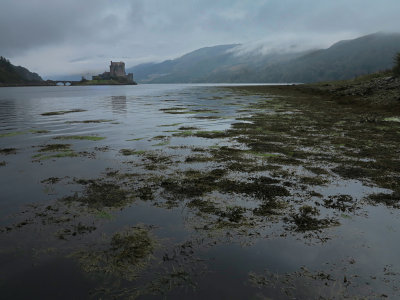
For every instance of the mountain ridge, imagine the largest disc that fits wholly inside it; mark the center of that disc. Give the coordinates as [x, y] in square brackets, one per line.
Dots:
[221, 64]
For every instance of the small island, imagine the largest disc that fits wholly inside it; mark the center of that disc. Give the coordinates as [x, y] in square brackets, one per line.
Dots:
[116, 76]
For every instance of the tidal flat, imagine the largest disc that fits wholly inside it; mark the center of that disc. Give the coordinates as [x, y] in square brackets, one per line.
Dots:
[261, 192]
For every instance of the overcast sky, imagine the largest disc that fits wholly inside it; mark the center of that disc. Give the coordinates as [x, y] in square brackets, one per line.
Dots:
[54, 37]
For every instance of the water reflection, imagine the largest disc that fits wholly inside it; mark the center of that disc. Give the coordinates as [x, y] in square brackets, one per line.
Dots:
[7, 111]
[118, 104]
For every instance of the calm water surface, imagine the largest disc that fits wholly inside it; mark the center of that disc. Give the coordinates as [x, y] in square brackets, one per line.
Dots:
[362, 253]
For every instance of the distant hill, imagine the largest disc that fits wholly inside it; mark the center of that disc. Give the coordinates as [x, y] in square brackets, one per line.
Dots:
[343, 60]
[10, 74]
[210, 64]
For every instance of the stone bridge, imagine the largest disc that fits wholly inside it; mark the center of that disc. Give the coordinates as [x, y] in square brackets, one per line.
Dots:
[62, 82]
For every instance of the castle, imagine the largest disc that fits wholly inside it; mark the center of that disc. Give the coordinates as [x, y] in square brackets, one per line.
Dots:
[117, 72]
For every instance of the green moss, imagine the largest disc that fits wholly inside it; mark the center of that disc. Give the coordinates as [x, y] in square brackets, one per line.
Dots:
[170, 125]
[104, 215]
[10, 134]
[128, 152]
[392, 119]
[183, 133]
[80, 137]
[55, 147]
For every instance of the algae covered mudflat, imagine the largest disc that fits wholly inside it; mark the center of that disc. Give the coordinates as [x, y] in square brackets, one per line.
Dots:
[260, 192]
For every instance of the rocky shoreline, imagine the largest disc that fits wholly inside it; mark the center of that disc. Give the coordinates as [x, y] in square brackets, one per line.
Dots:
[379, 88]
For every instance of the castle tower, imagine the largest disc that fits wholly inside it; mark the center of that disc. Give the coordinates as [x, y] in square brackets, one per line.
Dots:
[117, 69]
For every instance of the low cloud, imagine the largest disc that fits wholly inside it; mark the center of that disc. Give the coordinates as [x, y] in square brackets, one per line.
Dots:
[61, 37]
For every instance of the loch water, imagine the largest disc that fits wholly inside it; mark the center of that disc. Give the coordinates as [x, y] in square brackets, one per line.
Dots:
[144, 139]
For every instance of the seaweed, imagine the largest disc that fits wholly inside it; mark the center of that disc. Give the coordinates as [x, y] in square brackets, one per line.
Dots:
[305, 219]
[68, 153]
[344, 203]
[100, 194]
[11, 134]
[80, 137]
[55, 147]
[269, 207]
[128, 152]
[89, 121]
[8, 151]
[391, 200]
[62, 112]
[127, 254]
[38, 131]
[145, 193]
[51, 180]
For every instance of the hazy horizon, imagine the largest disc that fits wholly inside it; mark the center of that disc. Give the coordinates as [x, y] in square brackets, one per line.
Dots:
[58, 37]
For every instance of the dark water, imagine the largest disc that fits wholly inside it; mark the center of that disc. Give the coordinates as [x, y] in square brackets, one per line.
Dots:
[34, 263]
